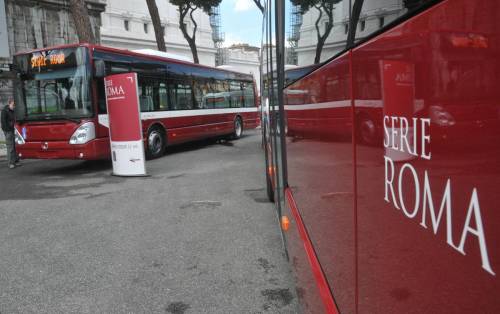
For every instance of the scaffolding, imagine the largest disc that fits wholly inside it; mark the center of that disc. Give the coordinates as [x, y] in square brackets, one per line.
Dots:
[217, 34]
[293, 35]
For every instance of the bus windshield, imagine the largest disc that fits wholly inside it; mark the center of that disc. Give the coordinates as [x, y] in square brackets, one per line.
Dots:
[55, 91]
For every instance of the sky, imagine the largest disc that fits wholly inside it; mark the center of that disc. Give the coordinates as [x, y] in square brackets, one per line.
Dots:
[241, 22]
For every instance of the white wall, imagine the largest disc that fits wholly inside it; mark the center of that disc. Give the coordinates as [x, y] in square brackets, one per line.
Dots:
[336, 41]
[113, 32]
[243, 61]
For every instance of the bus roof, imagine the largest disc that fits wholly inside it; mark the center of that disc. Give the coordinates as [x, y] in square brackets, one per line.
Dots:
[150, 56]
[163, 54]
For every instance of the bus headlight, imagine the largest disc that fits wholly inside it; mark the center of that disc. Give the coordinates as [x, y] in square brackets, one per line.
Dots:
[83, 134]
[19, 138]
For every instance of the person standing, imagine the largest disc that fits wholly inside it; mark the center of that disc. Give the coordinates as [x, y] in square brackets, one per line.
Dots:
[8, 121]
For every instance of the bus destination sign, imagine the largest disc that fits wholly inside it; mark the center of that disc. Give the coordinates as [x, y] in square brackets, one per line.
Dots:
[50, 59]
[38, 61]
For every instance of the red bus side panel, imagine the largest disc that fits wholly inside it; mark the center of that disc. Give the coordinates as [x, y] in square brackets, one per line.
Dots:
[320, 171]
[428, 182]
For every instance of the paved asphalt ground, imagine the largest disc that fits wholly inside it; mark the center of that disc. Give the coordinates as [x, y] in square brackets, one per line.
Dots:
[197, 236]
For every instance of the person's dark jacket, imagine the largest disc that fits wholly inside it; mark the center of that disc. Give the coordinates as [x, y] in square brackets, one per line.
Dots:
[8, 119]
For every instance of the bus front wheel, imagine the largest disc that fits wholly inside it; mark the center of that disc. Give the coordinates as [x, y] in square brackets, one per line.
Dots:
[238, 128]
[156, 143]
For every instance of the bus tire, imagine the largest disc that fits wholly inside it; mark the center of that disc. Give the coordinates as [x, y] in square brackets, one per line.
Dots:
[156, 143]
[238, 128]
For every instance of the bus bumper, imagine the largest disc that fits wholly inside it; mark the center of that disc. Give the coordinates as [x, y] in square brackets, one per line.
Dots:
[95, 149]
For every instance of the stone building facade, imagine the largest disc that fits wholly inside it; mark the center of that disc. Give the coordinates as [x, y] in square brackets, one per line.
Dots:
[34, 24]
[127, 24]
[374, 15]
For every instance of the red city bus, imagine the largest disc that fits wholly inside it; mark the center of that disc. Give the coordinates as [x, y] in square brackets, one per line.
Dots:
[382, 159]
[61, 106]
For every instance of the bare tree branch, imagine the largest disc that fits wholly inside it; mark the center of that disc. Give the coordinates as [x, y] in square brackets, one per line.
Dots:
[259, 5]
[194, 22]
[186, 7]
[318, 32]
[326, 8]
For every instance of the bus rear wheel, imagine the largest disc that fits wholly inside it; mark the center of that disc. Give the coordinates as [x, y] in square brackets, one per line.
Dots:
[238, 128]
[156, 143]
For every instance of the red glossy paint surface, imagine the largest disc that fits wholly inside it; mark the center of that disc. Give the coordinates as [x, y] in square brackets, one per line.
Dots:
[403, 266]
[95, 149]
[320, 163]
[434, 81]
[310, 297]
[322, 284]
[53, 131]
[50, 140]
[123, 107]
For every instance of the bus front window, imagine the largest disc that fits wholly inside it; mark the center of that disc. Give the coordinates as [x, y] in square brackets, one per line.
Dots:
[57, 92]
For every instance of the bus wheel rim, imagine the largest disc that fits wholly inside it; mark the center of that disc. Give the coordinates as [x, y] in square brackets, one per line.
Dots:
[238, 128]
[155, 142]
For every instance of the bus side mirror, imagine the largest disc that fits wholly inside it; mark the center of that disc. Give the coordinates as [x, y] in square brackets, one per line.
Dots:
[99, 68]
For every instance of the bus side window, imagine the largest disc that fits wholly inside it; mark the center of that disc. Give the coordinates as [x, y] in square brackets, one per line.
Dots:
[181, 95]
[236, 94]
[146, 95]
[208, 95]
[200, 89]
[249, 95]
[117, 68]
[221, 97]
[163, 95]
[101, 97]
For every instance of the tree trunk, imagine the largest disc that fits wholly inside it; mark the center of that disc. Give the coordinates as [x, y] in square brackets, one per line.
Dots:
[191, 40]
[194, 50]
[319, 48]
[81, 18]
[259, 5]
[353, 23]
[155, 19]
[321, 44]
[322, 38]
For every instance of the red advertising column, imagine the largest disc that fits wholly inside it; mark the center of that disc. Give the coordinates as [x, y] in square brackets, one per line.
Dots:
[125, 129]
[398, 93]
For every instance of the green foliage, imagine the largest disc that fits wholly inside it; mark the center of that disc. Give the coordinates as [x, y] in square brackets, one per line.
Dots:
[205, 5]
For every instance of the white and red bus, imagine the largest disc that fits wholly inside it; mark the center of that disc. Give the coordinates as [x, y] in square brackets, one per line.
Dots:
[383, 159]
[61, 106]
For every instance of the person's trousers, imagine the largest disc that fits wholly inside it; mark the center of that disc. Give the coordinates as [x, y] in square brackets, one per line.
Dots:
[11, 147]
